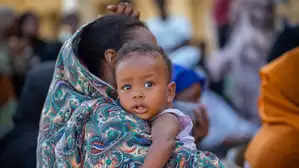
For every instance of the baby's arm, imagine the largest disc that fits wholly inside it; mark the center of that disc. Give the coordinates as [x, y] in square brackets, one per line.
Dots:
[164, 131]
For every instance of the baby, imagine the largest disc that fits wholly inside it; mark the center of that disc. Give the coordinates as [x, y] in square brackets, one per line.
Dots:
[144, 86]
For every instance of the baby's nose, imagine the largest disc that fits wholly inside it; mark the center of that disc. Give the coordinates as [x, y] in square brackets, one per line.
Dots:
[138, 95]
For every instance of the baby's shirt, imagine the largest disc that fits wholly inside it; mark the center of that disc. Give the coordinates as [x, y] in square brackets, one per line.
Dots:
[186, 126]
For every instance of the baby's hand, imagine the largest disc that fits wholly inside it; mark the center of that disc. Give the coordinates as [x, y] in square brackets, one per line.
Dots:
[164, 131]
[166, 126]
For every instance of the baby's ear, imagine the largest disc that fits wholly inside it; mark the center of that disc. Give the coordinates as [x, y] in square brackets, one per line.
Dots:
[171, 92]
[110, 56]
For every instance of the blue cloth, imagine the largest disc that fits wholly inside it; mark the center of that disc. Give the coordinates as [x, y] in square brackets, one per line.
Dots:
[185, 78]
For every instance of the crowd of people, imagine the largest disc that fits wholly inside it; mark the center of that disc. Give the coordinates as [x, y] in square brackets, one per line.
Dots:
[27, 66]
[119, 92]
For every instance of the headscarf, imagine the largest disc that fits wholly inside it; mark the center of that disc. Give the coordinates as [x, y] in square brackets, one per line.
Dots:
[279, 101]
[276, 144]
[185, 78]
[83, 126]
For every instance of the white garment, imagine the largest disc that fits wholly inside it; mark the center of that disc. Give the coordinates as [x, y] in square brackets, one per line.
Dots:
[170, 32]
[186, 127]
[224, 121]
[187, 56]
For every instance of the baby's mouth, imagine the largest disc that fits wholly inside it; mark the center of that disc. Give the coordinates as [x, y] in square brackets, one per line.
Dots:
[140, 109]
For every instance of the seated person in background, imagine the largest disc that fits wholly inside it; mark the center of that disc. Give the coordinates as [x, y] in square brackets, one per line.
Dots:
[143, 79]
[7, 94]
[19, 146]
[174, 34]
[224, 129]
[189, 88]
[189, 84]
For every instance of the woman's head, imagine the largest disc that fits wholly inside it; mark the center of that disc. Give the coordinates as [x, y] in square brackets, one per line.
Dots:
[189, 84]
[262, 13]
[28, 25]
[101, 40]
[7, 17]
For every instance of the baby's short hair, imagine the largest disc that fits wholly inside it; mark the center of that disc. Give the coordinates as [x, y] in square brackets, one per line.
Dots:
[134, 46]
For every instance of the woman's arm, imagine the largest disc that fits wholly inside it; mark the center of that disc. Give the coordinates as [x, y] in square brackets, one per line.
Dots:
[164, 131]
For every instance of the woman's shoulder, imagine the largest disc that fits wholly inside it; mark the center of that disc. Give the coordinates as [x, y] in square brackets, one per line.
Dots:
[109, 111]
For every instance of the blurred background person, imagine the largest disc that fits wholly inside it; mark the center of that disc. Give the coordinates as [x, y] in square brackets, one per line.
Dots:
[21, 42]
[7, 93]
[246, 52]
[70, 22]
[19, 145]
[27, 48]
[221, 15]
[238, 64]
[174, 34]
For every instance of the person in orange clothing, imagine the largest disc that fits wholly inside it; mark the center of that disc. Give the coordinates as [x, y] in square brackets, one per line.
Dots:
[276, 145]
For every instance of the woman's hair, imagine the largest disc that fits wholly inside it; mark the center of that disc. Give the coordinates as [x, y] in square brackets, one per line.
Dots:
[142, 49]
[108, 32]
[7, 17]
[23, 19]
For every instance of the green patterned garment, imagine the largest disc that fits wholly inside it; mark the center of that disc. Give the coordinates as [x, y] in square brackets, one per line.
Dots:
[83, 126]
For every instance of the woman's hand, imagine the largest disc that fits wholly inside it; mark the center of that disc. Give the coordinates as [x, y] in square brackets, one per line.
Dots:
[201, 124]
[124, 8]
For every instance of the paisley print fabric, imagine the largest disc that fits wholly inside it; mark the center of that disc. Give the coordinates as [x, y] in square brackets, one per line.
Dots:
[83, 126]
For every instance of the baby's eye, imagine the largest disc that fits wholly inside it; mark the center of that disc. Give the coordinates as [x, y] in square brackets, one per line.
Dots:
[126, 87]
[148, 84]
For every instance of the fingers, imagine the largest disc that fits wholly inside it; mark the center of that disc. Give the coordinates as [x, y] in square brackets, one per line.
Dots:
[204, 115]
[200, 114]
[112, 8]
[128, 9]
[136, 14]
[121, 7]
[124, 8]
[201, 124]
[197, 113]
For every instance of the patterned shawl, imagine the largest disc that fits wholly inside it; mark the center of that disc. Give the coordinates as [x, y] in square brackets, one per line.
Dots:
[83, 126]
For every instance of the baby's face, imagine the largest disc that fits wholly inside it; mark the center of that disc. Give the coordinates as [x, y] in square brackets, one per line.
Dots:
[142, 85]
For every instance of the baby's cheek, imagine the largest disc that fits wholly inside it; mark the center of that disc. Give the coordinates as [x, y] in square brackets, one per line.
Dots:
[124, 101]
